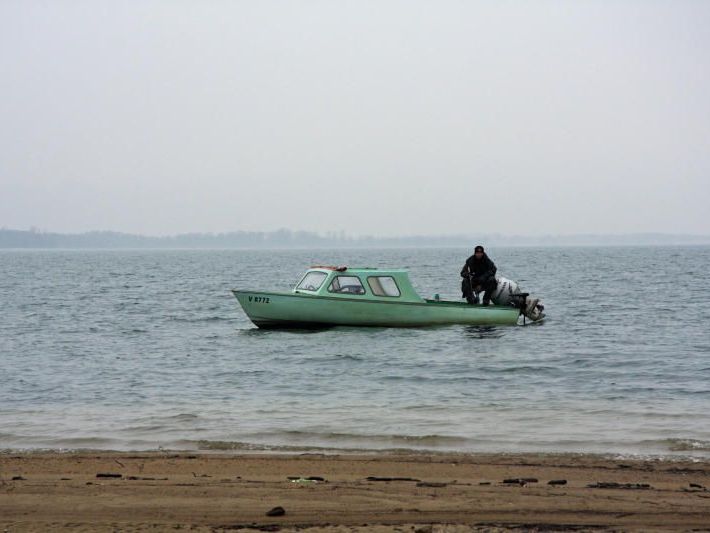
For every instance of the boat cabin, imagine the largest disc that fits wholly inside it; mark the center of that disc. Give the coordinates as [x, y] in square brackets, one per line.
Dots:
[358, 283]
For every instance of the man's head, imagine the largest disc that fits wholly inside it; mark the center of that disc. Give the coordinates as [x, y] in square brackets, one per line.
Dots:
[478, 251]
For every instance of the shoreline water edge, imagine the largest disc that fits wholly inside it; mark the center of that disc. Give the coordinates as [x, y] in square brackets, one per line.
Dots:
[683, 450]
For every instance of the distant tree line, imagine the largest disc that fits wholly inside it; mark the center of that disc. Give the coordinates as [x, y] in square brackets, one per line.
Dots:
[283, 238]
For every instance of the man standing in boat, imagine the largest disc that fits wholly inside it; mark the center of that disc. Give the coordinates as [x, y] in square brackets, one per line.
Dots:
[478, 276]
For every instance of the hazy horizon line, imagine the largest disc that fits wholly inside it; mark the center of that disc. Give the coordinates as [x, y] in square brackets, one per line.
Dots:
[34, 238]
[344, 234]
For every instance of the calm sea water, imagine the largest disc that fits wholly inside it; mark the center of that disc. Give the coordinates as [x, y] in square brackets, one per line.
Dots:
[148, 349]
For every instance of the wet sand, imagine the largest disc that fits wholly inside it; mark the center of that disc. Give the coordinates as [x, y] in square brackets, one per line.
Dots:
[159, 491]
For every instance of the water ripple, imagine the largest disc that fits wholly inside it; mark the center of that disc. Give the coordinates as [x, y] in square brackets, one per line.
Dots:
[148, 349]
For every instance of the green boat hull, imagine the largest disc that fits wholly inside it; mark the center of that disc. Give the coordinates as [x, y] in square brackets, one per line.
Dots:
[294, 310]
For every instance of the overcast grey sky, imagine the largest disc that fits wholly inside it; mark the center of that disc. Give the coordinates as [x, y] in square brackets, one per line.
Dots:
[373, 117]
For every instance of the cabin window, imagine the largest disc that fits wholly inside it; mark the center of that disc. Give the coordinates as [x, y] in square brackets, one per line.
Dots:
[346, 285]
[312, 281]
[383, 286]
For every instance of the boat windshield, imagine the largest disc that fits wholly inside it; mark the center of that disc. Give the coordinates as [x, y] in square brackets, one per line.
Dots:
[347, 285]
[312, 281]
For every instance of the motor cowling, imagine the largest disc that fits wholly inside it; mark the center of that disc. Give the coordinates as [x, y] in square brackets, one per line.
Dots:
[508, 293]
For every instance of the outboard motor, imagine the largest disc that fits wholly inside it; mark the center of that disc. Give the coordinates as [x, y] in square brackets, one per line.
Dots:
[508, 293]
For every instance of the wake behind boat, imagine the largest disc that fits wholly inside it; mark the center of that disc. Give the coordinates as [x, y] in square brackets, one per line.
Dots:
[341, 296]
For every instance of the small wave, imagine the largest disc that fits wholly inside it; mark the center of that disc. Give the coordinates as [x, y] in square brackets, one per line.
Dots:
[349, 357]
[182, 417]
[21, 442]
[335, 358]
[436, 379]
[240, 373]
[688, 445]
[521, 369]
[158, 421]
[412, 444]
[225, 445]
[361, 440]
[201, 319]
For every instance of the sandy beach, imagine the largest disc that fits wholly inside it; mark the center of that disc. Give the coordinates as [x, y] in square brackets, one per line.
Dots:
[387, 492]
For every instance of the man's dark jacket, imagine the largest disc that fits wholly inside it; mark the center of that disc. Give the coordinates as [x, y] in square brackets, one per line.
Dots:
[481, 270]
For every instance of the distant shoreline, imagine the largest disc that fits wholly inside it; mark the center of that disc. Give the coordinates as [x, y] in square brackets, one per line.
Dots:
[299, 240]
[347, 248]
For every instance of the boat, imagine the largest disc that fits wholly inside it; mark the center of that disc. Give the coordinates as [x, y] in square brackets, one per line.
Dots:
[341, 296]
